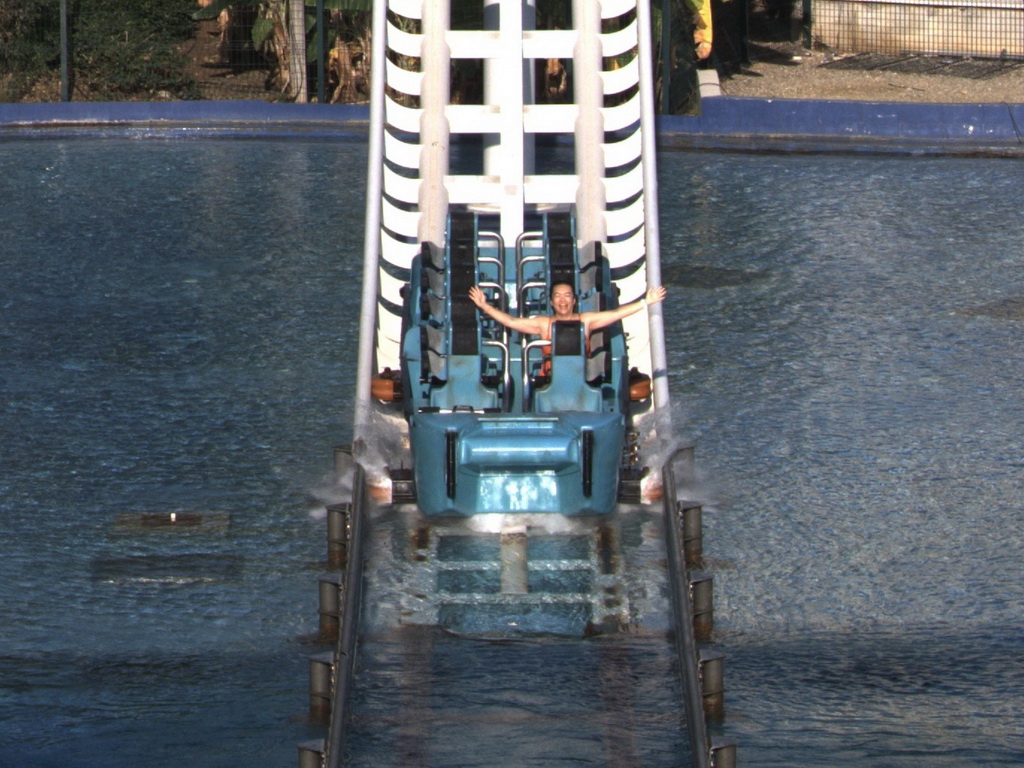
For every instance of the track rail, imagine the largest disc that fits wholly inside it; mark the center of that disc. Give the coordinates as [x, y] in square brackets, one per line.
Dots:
[348, 633]
[409, 189]
[686, 643]
[686, 646]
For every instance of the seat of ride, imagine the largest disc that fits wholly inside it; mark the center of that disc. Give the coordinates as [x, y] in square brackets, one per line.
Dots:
[464, 389]
[567, 388]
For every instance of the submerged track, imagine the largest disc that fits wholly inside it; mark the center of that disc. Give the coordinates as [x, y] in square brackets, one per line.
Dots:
[430, 674]
[515, 591]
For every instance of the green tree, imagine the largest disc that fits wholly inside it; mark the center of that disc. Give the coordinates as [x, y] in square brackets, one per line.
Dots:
[284, 33]
[29, 45]
[131, 50]
[119, 50]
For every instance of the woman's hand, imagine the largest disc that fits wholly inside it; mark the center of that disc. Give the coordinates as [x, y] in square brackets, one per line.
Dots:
[655, 294]
[477, 297]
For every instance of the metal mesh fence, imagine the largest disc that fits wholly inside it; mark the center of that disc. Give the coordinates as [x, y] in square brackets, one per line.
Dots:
[956, 29]
[115, 50]
[973, 28]
[30, 38]
[157, 49]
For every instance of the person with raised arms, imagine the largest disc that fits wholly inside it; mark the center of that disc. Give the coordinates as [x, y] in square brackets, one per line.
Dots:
[563, 302]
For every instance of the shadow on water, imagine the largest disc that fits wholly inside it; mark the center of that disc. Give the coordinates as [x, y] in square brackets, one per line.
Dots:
[426, 695]
[706, 276]
[164, 568]
[880, 698]
[1004, 309]
[149, 708]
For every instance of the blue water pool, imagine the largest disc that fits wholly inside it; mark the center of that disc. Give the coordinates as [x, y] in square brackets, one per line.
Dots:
[177, 330]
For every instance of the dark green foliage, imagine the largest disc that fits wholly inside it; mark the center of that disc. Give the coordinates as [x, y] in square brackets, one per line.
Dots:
[29, 43]
[131, 49]
[120, 49]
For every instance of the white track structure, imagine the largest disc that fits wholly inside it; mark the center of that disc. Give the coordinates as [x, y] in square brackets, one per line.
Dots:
[609, 125]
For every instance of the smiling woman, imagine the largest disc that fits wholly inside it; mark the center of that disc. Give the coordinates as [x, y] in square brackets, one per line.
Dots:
[563, 305]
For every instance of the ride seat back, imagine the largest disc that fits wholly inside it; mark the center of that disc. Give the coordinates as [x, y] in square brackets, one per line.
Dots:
[568, 389]
[461, 386]
[562, 256]
[463, 334]
[463, 389]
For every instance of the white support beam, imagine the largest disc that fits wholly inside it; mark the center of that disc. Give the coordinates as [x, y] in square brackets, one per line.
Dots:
[590, 123]
[549, 43]
[473, 45]
[434, 136]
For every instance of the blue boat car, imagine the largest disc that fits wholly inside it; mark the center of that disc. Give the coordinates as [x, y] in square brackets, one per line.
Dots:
[503, 424]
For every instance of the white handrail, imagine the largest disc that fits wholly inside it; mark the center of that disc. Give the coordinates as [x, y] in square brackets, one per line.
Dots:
[649, 128]
[371, 235]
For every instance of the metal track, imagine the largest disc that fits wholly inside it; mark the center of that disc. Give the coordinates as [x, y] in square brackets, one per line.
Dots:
[351, 608]
[686, 647]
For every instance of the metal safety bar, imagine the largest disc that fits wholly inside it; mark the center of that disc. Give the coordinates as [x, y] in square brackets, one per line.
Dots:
[506, 375]
[334, 746]
[521, 262]
[527, 348]
[499, 260]
[686, 643]
[501, 343]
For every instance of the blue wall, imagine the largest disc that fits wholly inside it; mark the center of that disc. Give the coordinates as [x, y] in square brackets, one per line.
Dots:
[803, 125]
[246, 117]
[724, 123]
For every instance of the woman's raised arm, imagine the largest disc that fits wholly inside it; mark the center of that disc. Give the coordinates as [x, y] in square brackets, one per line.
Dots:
[595, 321]
[531, 325]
